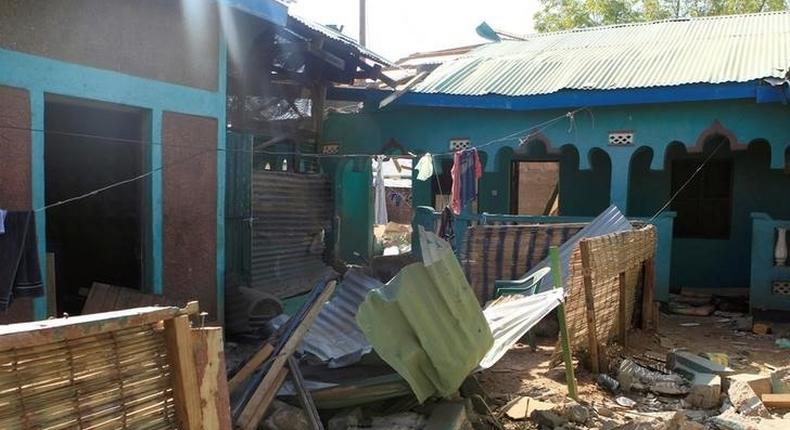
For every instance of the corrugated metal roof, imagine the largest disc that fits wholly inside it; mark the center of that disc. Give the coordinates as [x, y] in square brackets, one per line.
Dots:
[736, 48]
[335, 336]
[340, 37]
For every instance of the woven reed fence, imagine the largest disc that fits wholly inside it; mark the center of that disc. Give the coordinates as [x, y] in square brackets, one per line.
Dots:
[130, 369]
[610, 269]
[504, 252]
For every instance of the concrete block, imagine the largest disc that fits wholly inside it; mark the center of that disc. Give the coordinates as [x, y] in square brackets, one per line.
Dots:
[761, 384]
[696, 363]
[745, 400]
[780, 381]
[449, 416]
[705, 391]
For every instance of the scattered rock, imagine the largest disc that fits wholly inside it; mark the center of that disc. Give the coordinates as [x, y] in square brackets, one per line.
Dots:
[576, 413]
[745, 400]
[761, 328]
[522, 407]
[625, 402]
[743, 323]
[399, 421]
[604, 411]
[285, 417]
[345, 420]
[449, 415]
[548, 419]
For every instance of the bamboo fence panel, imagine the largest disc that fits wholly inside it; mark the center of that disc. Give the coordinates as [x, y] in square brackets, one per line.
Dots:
[111, 375]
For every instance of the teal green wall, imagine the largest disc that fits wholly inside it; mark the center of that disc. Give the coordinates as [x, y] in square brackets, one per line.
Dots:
[593, 174]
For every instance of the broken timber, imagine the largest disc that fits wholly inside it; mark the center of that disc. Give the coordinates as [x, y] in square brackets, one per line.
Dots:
[556, 272]
[256, 407]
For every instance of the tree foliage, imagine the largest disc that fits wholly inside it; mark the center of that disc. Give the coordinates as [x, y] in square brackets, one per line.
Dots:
[567, 14]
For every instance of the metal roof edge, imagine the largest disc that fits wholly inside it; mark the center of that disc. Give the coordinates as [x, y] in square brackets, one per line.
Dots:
[270, 10]
[574, 98]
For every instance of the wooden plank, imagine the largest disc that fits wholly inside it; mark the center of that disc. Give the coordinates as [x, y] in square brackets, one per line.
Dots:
[589, 300]
[622, 316]
[43, 332]
[256, 408]
[776, 400]
[556, 273]
[186, 390]
[648, 295]
[250, 366]
[305, 399]
[210, 370]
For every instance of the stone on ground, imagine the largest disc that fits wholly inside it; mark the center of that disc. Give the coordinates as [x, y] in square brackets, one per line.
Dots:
[745, 400]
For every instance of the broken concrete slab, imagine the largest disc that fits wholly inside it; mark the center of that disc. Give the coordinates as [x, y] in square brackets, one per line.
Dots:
[731, 420]
[685, 359]
[760, 384]
[522, 407]
[780, 381]
[705, 391]
[449, 416]
[745, 400]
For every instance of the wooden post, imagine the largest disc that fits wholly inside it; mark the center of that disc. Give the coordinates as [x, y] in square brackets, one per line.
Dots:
[210, 369]
[648, 295]
[556, 272]
[186, 391]
[256, 408]
[621, 311]
[589, 300]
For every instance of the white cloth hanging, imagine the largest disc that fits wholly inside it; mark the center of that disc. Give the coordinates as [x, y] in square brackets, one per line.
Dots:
[379, 194]
[425, 167]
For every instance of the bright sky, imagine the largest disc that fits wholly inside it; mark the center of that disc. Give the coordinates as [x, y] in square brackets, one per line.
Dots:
[397, 28]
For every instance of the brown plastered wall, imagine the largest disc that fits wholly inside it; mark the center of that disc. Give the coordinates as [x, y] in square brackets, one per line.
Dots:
[153, 39]
[15, 181]
[189, 181]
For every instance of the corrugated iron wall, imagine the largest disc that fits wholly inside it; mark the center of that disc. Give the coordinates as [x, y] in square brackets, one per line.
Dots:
[238, 178]
[292, 212]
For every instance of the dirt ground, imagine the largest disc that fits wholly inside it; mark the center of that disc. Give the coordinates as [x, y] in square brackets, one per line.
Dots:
[522, 372]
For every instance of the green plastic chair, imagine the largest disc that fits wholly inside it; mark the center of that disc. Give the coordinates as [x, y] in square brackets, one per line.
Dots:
[525, 286]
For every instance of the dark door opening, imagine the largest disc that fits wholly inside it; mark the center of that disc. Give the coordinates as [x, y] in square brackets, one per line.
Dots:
[87, 146]
[535, 188]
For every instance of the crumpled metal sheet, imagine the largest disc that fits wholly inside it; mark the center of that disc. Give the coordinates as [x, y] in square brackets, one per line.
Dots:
[335, 336]
[511, 318]
[426, 322]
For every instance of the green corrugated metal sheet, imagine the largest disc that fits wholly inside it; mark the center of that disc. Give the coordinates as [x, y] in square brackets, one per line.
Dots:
[736, 48]
[238, 175]
[426, 322]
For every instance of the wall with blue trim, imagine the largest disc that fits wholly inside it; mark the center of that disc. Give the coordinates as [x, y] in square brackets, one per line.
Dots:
[44, 76]
[594, 173]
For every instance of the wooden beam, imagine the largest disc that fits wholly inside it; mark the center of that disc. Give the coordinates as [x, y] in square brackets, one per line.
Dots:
[186, 390]
[622, 317]
[589, 300]
[776, 400]
[556, 273]
[250, 366]
[256, 408]
[44, 332]
[210, 370]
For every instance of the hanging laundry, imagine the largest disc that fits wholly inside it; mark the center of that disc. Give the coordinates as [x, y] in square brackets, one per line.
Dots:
[20, 275]
[379, 194]
[425, 167]
[465, 173]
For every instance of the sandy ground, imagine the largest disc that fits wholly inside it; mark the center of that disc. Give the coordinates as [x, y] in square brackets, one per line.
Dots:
[522, 372]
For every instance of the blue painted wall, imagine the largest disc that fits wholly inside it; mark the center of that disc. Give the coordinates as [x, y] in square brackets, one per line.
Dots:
[42, 76]
[594, 174]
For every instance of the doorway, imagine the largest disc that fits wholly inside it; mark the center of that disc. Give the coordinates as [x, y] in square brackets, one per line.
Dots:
[535, 188]
[98, 238]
